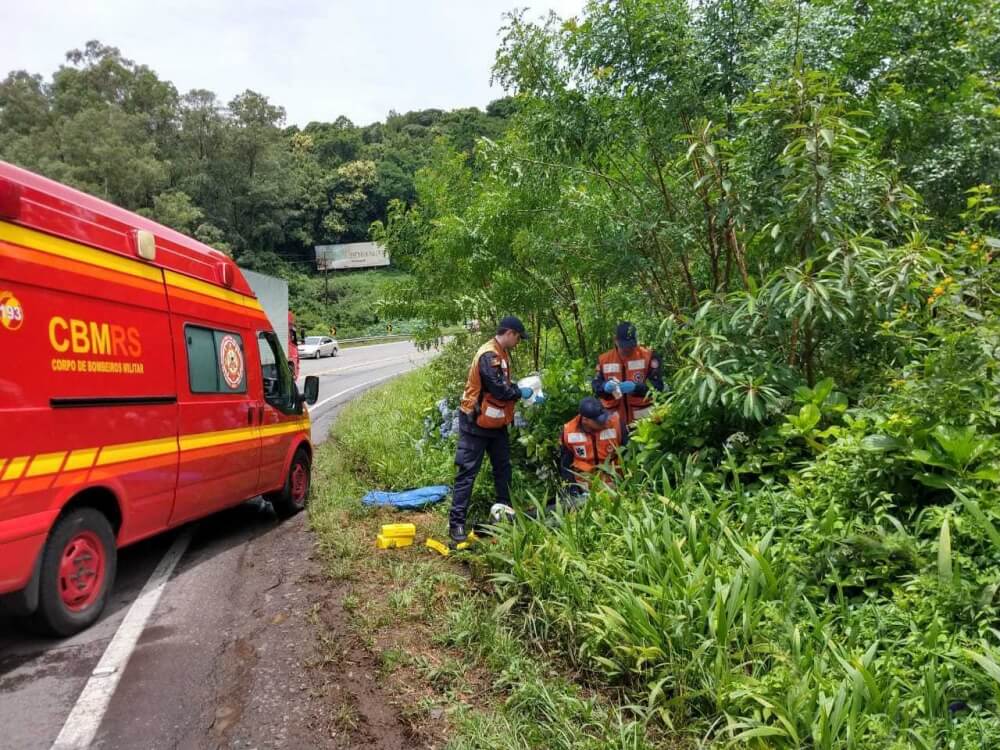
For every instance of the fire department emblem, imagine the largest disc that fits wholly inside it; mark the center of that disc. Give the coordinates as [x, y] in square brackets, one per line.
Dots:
[581, 451]
[231, 361]
[11, 312]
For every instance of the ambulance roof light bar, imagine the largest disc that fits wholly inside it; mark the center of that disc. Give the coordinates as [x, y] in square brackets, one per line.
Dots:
[144, 244]
[226, 275]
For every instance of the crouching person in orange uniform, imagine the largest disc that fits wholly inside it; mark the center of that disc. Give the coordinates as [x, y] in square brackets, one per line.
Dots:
[590, 443]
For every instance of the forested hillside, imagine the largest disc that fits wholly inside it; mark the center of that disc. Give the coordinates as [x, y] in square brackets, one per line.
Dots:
[232, 174]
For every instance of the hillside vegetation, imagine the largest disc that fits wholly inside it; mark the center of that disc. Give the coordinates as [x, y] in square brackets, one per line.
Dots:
[793, 202]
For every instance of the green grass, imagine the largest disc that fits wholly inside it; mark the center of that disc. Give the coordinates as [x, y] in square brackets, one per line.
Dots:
[455, 658]
[381, 340]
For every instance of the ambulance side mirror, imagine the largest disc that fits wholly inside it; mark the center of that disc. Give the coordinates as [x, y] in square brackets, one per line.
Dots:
[310, 391]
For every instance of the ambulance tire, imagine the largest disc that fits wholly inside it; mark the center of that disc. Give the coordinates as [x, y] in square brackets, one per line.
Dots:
[82, 541]
[294, 496]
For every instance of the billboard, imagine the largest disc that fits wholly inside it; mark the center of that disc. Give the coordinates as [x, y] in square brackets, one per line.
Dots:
[350, 255]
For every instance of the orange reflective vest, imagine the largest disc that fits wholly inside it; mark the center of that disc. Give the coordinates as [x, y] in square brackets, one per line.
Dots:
[591, 449]
[490, 413]
[636, 368]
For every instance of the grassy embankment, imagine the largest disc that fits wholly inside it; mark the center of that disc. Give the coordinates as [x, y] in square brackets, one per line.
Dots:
[459, 672]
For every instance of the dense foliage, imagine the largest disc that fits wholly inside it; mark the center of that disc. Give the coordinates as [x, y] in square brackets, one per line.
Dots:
[666, 153]
[792, 200]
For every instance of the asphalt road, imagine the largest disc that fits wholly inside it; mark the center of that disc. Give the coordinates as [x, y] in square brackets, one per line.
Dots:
[179, 688]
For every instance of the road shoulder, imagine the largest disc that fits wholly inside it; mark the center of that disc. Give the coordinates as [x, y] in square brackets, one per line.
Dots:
[291, 675]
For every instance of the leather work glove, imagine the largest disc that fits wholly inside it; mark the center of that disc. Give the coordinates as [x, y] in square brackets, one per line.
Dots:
[527, 393]
[627, 387]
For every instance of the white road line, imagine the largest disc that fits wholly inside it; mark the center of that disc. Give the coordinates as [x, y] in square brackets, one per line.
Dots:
[84, 720]
[328, 399]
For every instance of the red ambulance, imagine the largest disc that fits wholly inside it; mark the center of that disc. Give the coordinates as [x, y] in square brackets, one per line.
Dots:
[141, 387]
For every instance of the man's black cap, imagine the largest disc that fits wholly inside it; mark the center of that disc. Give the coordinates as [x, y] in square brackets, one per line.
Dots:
[513, 323]
[625, 334]
[591, 408]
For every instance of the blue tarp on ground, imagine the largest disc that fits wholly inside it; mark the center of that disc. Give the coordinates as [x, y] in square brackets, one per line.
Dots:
[418, 497]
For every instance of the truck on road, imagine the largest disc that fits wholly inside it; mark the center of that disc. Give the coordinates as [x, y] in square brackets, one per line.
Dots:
[272, 293]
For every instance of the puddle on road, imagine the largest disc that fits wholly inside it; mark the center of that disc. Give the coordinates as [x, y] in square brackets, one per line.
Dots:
[67, 661]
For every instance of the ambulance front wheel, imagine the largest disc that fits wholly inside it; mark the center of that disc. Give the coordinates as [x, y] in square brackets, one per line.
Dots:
[78, 569]
[294, 496]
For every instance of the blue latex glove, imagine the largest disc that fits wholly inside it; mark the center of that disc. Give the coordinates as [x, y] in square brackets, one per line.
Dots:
[539, 399]
[627, 386]
[526, 393]
[609, 387]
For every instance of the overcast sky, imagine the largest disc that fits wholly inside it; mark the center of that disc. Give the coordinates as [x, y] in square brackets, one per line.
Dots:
[318, 59]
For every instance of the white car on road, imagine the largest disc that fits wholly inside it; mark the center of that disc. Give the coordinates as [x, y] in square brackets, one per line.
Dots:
[318, 346]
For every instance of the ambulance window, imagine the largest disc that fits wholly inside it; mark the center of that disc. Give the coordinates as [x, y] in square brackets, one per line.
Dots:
[216, 361]
[279, 388]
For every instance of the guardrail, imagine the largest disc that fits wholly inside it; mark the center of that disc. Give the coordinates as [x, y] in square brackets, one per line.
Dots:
[360, 341]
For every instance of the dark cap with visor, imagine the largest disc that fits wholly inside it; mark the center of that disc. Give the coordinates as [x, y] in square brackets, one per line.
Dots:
[591, 408]
[625, 334]
[513, 323]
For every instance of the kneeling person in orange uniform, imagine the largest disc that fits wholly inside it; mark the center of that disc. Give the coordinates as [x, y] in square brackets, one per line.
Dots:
[590, 443]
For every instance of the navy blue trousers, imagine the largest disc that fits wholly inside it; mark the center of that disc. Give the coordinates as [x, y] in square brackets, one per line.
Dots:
[469, 459]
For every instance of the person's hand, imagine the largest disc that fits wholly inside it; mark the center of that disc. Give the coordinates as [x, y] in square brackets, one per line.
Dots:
[526, 393]
[539, 399]
[609, 386]
[627, 387]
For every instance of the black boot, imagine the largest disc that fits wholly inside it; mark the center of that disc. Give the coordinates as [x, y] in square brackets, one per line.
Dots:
[457, 532]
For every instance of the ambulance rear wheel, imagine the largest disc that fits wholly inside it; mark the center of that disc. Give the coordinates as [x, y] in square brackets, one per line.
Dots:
[78, 569]
[294, 496]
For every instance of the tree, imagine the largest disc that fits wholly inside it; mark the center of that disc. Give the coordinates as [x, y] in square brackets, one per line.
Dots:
[232, 173]
[176, 210]
[24, 106]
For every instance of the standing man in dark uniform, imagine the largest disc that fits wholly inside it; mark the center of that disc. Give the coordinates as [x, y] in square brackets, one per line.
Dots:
[487, 408]
[625, 375]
